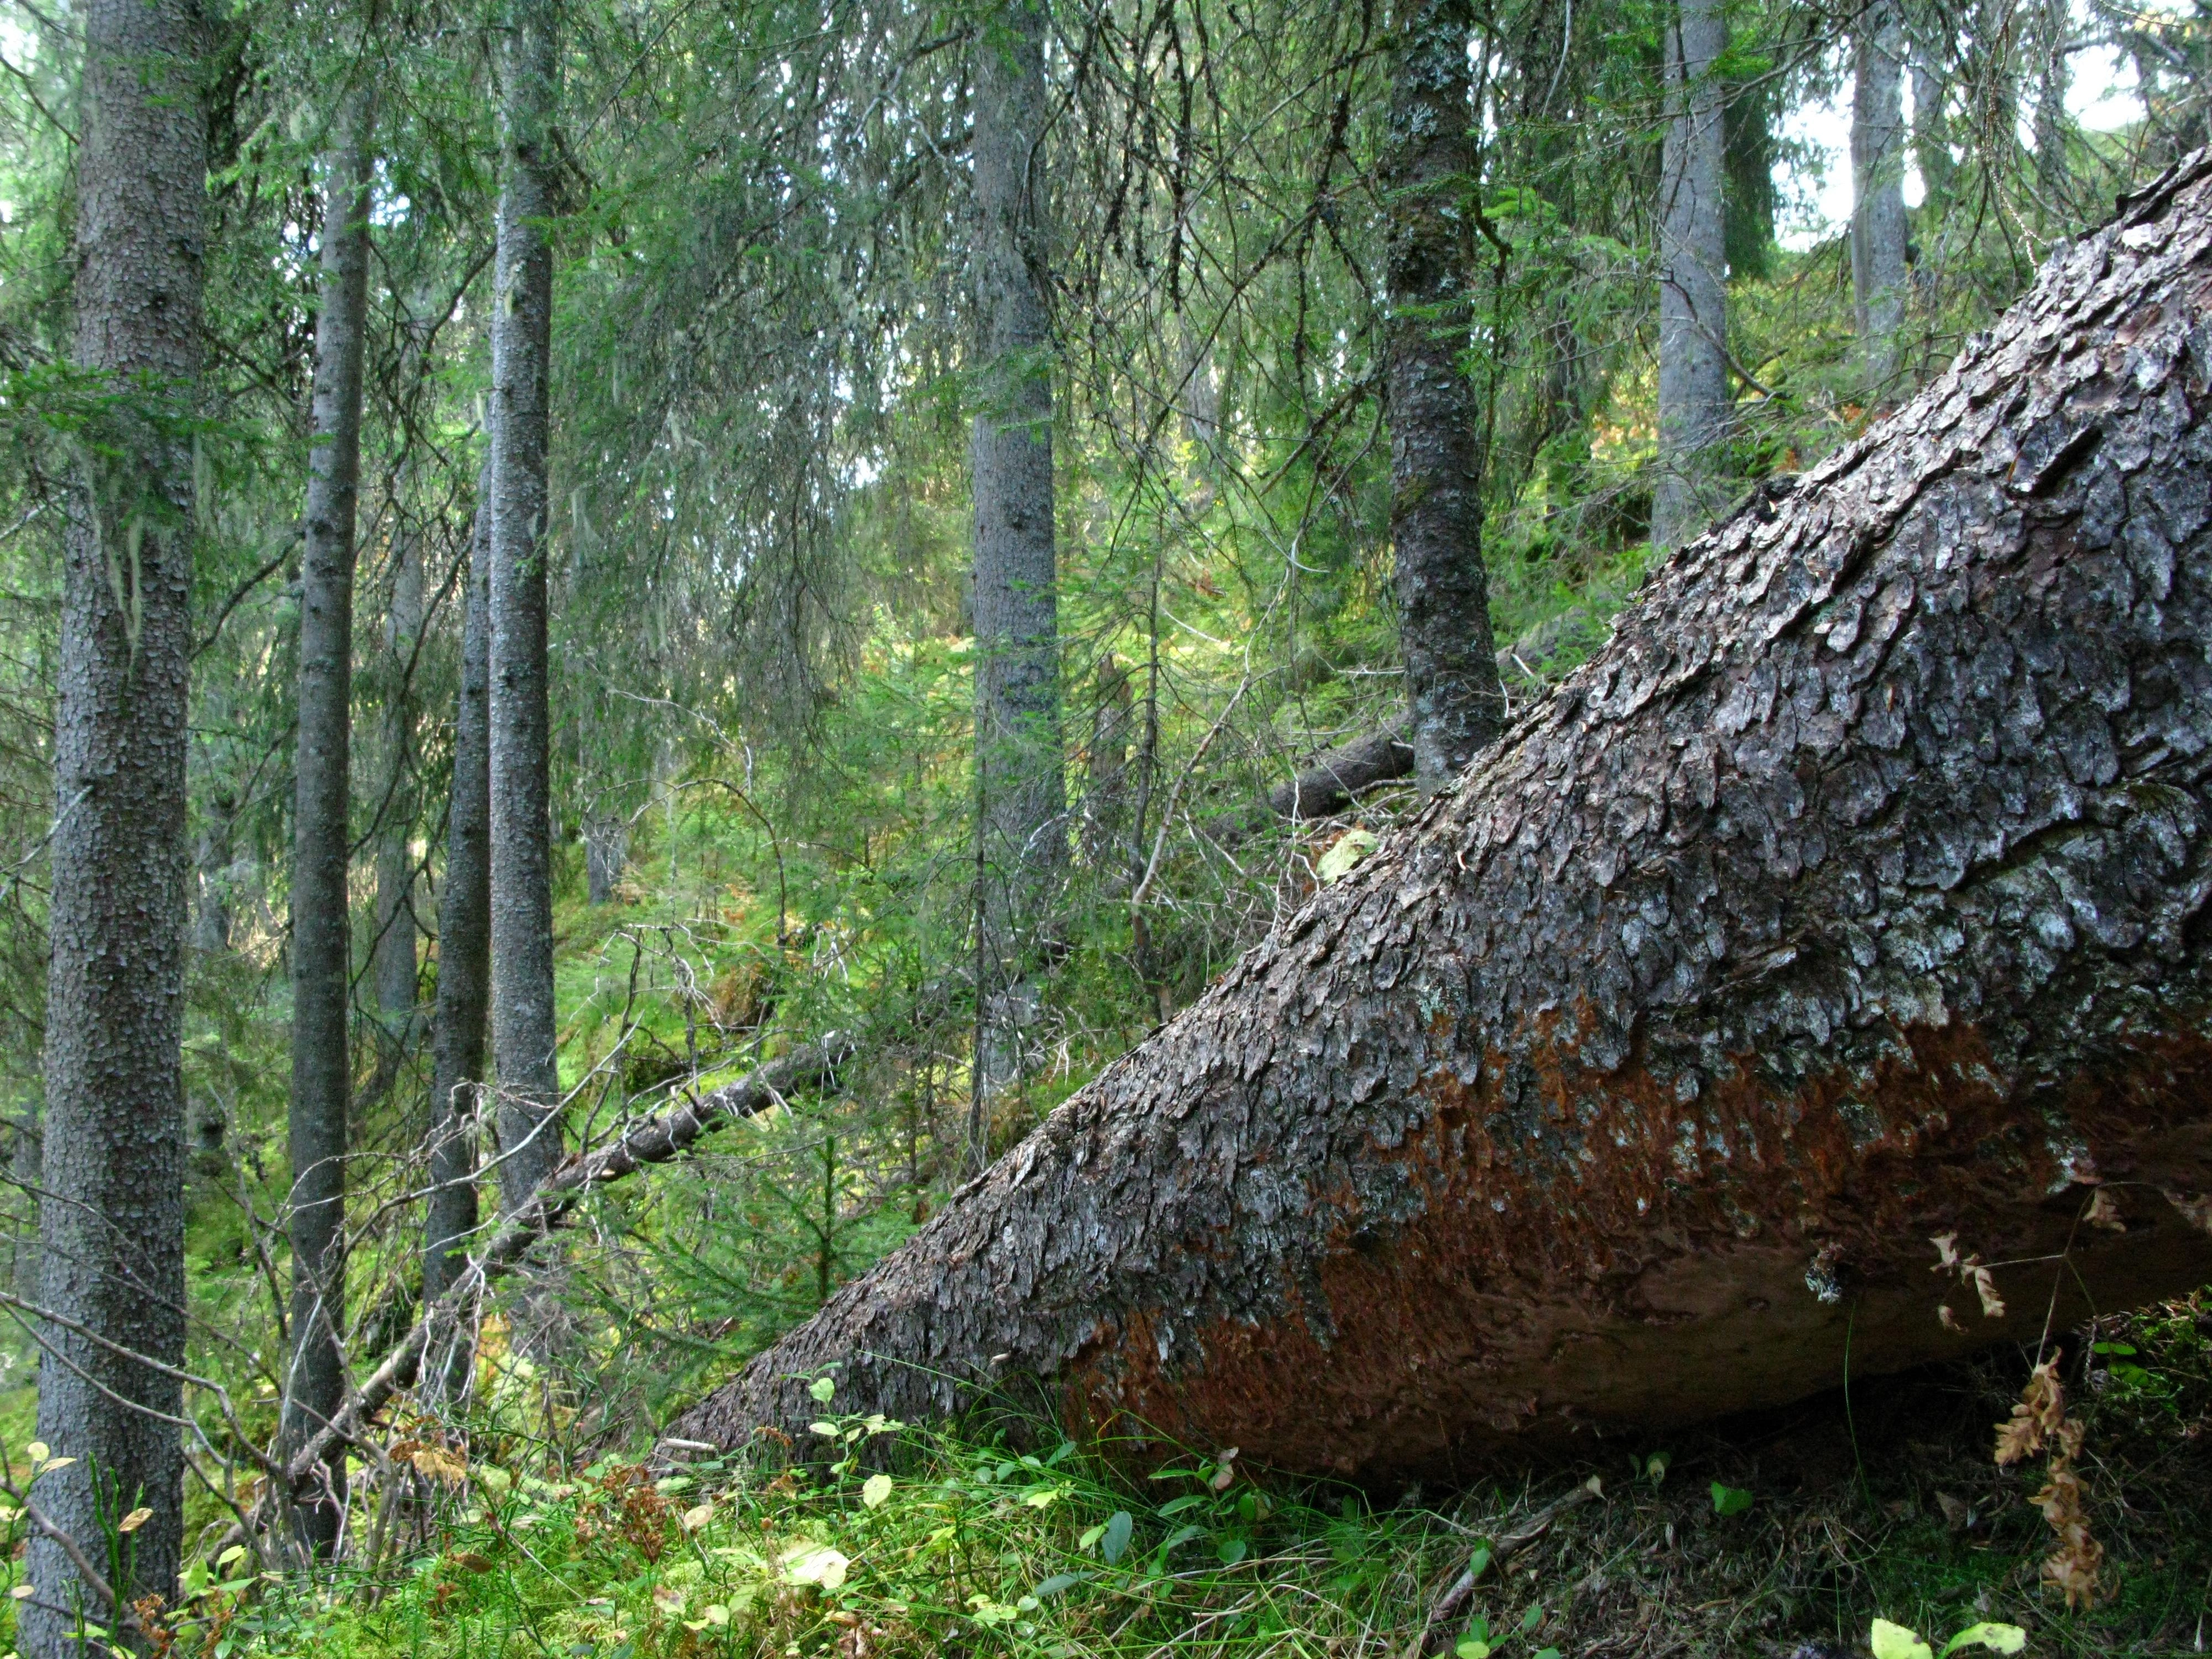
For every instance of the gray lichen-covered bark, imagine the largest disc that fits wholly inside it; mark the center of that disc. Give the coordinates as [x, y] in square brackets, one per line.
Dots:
[111, 1222]
[1694, 406]
[523, 1033]
[1852, 895]
[1023, 820]
[1452, 690]
[322, 936]
[457, 1039]
[1878, 225]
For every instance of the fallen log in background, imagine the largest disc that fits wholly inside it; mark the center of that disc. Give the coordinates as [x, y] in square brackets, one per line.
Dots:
[656, 1139]
[1854, 894]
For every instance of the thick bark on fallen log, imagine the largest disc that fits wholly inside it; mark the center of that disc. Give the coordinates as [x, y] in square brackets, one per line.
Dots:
[1853, 895]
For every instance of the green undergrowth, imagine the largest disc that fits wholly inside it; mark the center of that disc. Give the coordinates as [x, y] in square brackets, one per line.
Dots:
[1784, 1534]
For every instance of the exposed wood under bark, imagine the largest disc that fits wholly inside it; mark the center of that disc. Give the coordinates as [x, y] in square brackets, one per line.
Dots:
[1852, 895]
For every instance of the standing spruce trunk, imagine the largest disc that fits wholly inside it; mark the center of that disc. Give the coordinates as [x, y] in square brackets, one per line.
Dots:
[1878, 225]
[322, 937]
[1849, 897]
[1452, 687]
[111, 1221]
[463, 972]
[1694, 407]
[521, 841]
[1022, 820]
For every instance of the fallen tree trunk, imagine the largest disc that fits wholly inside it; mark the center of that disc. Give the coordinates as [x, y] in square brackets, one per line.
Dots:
[1334, 779]
[1853, 895]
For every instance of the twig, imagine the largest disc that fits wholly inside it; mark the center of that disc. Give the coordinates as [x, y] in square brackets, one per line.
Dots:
[1499, 1552]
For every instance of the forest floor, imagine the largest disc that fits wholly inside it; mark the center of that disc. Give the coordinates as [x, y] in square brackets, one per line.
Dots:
[1783, 1534]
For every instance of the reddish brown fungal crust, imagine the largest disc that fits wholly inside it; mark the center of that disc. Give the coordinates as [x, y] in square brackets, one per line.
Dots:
[1852, 895]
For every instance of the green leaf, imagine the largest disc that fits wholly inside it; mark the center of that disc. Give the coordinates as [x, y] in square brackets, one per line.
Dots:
[1350, 847]
[1997, 1639]
[1531, 1619]
[874, 1490]
[1730, 1500]
[1176, 1506]
[1232, 1550]
[1470, 1648]
[1891, 1641]
[1479, 1562]
[1057, 1582]
[821, 1388]
[1655, 1467]
[1547, 1653]
[1115, 1539]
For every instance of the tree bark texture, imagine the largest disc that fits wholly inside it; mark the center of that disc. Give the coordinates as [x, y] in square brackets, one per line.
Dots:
[463, 946]
[1878, 224]
[523, 1033]
[322, 933]
[1852, 896]
[1430, 182]
[1694, 406]
[111, 1216]
[1023, 820]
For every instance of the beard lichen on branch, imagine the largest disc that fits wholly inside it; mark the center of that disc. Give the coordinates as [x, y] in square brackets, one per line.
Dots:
[1848, 898]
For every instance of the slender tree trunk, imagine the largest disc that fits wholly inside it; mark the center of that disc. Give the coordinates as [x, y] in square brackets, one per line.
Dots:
[607, 854]
[523, 1031]
[1852, 895]
[322, 937]
[1878, 273]
[111, 1220]
[395, 970]
[212, 861]
[1694, 407]
[1435, 436]
[1022, 818]
[463, 967]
